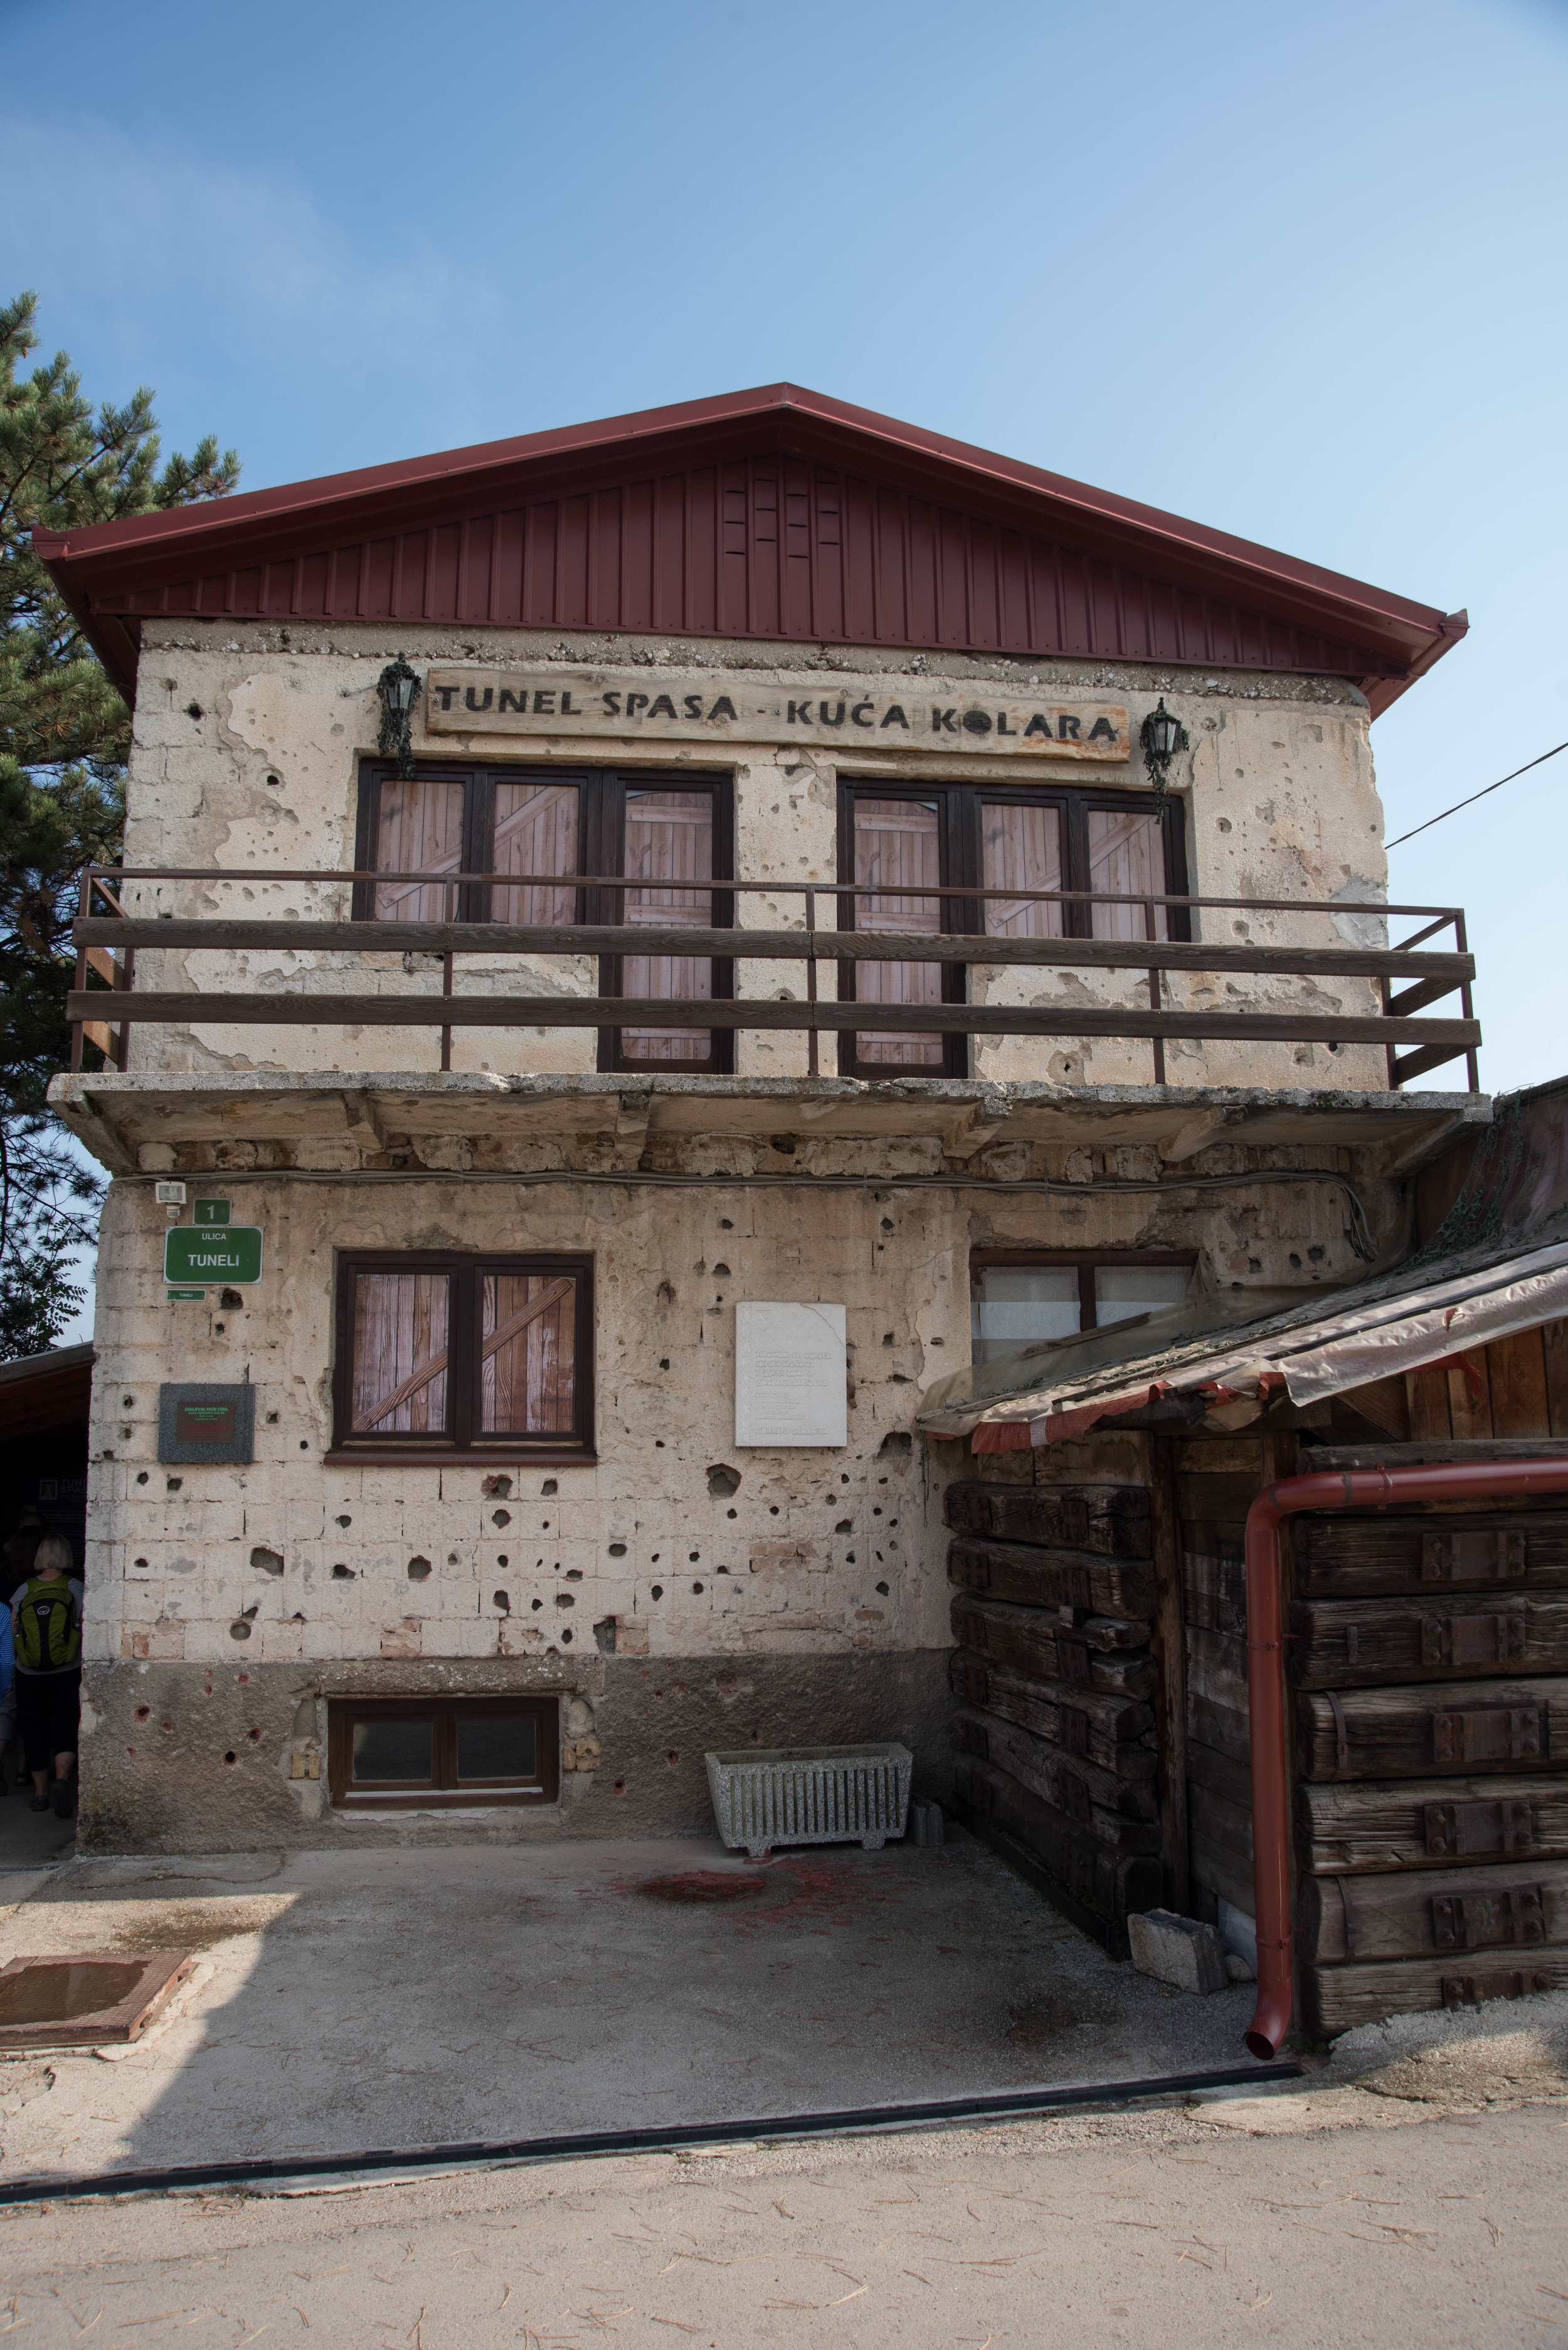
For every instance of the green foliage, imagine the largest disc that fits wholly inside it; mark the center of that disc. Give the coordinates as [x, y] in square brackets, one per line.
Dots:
[65, 733]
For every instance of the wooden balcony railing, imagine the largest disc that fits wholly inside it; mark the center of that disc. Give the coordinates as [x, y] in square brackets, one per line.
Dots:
[1410, 975]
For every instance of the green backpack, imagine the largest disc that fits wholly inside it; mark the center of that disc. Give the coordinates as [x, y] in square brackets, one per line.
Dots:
[48, 1637]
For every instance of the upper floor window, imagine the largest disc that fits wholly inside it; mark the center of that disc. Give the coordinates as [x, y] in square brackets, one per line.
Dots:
[670, 838]
[441, 1354]
[895, 844]
[1020, 1297]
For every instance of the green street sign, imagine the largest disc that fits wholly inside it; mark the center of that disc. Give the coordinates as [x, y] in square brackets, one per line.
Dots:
[210, 1212]
[229, 1253]
[187, 1297]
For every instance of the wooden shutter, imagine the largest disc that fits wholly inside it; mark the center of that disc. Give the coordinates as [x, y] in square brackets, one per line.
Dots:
[898, 847]
[668, 843]
[402, 1324]
[536, 830]
[418, 830]
[1126, 855]
[1023, 848]
[527, 1353]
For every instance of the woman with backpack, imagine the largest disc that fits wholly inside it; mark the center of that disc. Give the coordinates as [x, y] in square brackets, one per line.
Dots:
[46, 1625]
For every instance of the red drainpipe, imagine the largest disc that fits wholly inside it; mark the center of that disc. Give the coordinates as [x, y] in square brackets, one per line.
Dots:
[1466, 1481]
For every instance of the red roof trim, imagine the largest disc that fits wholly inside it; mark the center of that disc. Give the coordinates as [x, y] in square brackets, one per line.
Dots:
[255, 525]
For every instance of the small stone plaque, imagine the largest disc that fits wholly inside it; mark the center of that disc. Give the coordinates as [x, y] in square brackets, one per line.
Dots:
[203, 1422]
[790, 1384]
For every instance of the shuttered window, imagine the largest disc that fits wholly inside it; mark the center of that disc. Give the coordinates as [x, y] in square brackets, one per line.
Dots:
[440, 1354]
[552, 829]
[1023, 844]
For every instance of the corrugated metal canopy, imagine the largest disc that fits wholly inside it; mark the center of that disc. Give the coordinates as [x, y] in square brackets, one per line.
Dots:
[1420, 1316]
[773, 514]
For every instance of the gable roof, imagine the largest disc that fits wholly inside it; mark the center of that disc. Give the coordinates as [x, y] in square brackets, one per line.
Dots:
[776, 513]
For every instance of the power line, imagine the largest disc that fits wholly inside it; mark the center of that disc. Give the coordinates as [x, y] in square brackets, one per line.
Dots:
[1431, 820]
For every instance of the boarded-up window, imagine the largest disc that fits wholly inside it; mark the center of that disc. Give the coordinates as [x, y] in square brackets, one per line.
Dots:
[418, 830]
[536, 826]
[897, 849]
[527, 1334]
[400, 1323]
[1022, 844]
[668, 847]
[1126, 858]
[442, 1353]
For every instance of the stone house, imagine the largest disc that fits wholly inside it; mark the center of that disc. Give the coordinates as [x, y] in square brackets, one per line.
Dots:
[641, 949]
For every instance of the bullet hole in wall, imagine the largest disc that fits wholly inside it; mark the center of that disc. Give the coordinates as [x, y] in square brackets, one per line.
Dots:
[883, 1589]
[345, 1521]
[274, 781]
[574, 1575]
[665, 1293]
[452, 1558]
[272, 1419]
[267, 1562]
[898, 1440]
[231, 1300]
[696, 1586]
[723, 1479]
[141, 1562]
[664, 1362]
[419, 1568]
[142, 1712]
[500, 1599]
[231, 1756]
[726, 1223]
[172, 1484]
[501, 1517]
[849, 1558]
[126, 1402]
[241, 1631]
[618, 1549]
[305, 1444]
[219, 1328]
[731, 1514]
[536, 1605]
[565, 1599]
[141, 1476]
[886, 1337]
[845, 1526]
[496, 1488]
[672, 1758]
[194, 710]
[783, 1144]
[658, 1443]
[255, 1737]
[722, 1272]
[502, 1558]
[886, 1223]
[550, 1485]
[341, 1574]
[692, 1557]
[656, 1591]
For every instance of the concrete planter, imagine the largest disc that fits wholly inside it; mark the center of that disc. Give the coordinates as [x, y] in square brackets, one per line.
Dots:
[810, 1795]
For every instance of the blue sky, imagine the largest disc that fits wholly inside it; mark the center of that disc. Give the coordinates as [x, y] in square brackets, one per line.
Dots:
[1295, 274]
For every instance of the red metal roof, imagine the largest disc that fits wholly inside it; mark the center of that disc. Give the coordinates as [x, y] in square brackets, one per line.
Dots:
[770, 514]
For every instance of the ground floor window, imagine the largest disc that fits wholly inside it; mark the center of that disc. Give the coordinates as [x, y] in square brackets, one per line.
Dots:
[388, 1753]
[1020, 1297]
[440, 1354]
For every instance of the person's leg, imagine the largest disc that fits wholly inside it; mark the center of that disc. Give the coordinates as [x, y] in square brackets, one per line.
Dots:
[34, 1723]
[64, 1713]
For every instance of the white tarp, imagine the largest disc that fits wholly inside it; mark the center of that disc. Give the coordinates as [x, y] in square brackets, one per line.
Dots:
[1389, 1329]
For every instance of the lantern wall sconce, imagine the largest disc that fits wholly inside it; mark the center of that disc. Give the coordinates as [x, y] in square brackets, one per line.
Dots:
[1162, 737]
[398, 687]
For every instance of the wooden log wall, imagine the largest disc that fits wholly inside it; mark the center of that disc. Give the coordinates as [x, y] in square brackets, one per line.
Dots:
[1053, 1605]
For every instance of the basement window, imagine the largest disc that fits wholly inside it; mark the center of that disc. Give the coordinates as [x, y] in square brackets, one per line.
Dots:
[1022, 1297]
[441, 1754]
[442, 1356]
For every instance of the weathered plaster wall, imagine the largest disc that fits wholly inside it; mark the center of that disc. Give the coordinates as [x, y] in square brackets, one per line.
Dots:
[816, 1585]
[246, 753]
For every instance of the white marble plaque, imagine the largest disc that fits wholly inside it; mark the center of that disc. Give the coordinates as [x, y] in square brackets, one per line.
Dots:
[790, 1374]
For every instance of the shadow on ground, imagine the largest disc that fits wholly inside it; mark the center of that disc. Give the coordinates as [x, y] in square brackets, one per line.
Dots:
[350, 2000]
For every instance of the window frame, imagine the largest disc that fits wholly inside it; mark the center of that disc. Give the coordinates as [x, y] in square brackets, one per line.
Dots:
[961, 832]
[1087, 1261]
[601, 849]
[464, 1439]
[446, 1710]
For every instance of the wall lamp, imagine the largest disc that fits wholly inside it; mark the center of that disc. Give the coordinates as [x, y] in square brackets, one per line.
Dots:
[398, 687]
[1162, 737]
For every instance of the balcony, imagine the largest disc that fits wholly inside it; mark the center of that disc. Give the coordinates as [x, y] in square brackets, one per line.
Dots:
[1154, 985]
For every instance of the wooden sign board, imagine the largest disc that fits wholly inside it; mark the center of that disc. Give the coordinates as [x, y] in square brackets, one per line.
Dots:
[850, 716]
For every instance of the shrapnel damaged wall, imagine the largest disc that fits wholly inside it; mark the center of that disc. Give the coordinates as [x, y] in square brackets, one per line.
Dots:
[1277, 790]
